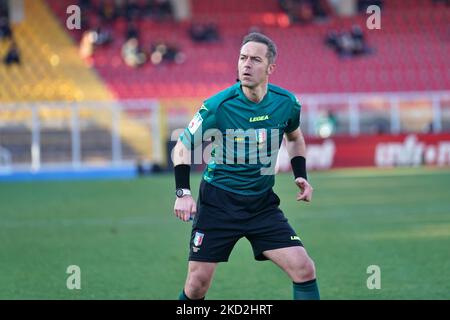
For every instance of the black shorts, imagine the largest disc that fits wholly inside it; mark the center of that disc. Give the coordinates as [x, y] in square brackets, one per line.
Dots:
[224, 217]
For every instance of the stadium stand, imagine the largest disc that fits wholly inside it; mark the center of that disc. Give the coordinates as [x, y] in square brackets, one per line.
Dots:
[397, 64]
[53, 71]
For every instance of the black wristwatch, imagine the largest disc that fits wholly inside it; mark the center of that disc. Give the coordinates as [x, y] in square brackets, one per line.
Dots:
[183, 192]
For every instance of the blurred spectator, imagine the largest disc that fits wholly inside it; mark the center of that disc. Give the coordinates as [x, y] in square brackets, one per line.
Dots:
[348, 44]
[13, 54]
[162, 9]
[162, 52]
[121, 8]
[363, 4]
[102, 36]
[305, 11]
[446, 2]
[327, 123]
[108, 10]
[158, 9]
[320, 9]
[132, 53]
[5, 29]
[132, 30]
[345, 45]
[298, 11]
[4, 9]
[133, 11]
[359, 44]
[430, 128]
[204, 32]
[381, 126]
[84, 4]
[87, 44]
[85, 25]
[331, 38]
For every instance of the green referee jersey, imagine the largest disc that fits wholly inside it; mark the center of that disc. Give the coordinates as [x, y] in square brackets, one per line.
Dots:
[245, 137]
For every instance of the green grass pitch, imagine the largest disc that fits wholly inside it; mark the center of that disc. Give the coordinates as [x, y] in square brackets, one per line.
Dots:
[128, 244]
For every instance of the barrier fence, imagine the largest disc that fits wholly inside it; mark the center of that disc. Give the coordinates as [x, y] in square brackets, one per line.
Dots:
[342, 130]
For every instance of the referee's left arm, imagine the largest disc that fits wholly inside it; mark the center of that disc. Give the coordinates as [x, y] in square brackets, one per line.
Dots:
[185, 206]
[296, 148]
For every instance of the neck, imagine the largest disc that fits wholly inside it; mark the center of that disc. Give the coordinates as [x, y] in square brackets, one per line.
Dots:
[255, 94]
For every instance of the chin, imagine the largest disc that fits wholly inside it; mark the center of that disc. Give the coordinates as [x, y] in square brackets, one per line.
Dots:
[248, 84]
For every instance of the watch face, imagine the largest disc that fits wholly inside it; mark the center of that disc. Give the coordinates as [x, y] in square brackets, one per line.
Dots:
[179, 192]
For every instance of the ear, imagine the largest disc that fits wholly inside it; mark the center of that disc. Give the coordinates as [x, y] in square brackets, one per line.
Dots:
[271, 68]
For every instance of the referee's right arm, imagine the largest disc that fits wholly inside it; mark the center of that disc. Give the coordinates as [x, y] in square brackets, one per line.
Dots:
[181, 154]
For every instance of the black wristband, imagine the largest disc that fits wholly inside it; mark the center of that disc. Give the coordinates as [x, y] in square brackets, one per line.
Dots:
[182, 172]
[298, 164]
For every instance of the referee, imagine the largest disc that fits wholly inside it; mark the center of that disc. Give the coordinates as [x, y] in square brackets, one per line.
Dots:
[246, 123]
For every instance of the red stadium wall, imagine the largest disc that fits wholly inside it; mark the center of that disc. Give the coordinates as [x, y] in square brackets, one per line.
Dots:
[375, 151]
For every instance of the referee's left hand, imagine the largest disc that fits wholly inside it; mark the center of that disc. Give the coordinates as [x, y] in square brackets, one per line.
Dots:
[306, 190]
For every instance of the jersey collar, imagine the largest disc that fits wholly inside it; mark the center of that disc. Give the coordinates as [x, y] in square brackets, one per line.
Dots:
[250, 102]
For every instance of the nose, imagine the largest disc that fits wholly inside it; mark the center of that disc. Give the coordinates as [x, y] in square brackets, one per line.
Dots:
[247, 63]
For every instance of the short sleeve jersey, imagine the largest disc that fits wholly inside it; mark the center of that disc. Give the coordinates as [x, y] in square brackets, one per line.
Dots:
[245, 135]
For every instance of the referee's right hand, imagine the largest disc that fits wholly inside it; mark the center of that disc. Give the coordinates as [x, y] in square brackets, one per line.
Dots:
[185, 208]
